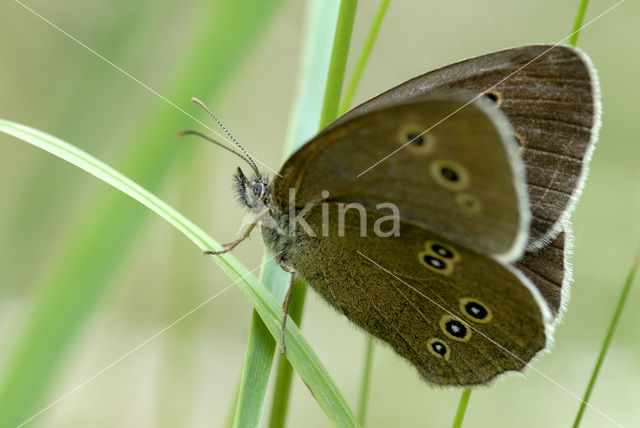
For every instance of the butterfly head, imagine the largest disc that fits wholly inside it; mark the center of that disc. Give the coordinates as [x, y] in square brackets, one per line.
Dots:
[252, 192]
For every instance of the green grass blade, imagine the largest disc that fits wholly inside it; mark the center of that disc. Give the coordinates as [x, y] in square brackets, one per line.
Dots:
[231, 416]
[366, 380]
[607, 339]
[256, 370]
[582, 9]
[85, 161]
[347, 99]
[40, 200]
[99, 244]
[320, 27]
[462, 408]
[333, 89]
[320, 19]
[338, 64]
[284, 374]
[281, 393]
[299, 353]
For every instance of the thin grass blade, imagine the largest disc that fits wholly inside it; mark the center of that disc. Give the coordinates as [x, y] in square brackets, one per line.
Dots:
[99, 244]
[624, 294]
[577, 24]
[299, 353]
[333, 89]
[366, 380]
[462, 408]
[347, 99]
[320, 19]
[338, 64]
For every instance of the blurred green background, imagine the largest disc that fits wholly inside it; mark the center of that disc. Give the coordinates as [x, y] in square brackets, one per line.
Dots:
[242, 57]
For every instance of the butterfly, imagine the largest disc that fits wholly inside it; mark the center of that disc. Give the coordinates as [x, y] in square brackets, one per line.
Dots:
[484, 161]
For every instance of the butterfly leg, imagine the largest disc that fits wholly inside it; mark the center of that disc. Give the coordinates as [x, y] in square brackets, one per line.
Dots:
[286, 303]
[231, 245]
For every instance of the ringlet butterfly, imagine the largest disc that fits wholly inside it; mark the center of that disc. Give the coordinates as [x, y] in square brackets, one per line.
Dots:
[472, 276]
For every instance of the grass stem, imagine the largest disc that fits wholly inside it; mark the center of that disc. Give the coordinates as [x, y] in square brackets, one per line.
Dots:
[607, 340]
[338, 64]
[577, 24]
[366, 380]
[284, 373]
[347, 99]
[333, 90]
[462, 408]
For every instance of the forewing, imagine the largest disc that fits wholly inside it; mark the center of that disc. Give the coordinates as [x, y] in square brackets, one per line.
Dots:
[463, 178]
[550, 95]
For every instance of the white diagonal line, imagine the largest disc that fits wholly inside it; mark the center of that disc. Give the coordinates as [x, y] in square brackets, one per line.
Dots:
[488, 89]
[568, 391]
[144, 85]
[136, 348]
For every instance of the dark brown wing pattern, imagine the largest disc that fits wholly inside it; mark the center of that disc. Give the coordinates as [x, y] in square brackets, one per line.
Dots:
[464, 179]
[460, 317]
[550, 96]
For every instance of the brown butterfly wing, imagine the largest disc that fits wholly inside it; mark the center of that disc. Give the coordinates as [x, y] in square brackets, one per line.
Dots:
[385, 286]
[546, 268]
[551, 98]
[464, 179]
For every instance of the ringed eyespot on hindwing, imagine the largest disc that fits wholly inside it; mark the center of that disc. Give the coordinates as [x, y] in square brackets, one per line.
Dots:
[439, 348]
[454, 328]
[475, 310]
[439, 257]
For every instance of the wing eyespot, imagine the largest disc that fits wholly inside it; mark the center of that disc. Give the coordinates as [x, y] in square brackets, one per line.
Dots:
[450, 174]
[442, 250]
[474, 310]
[468, 203]
[494, 97]
[435, 264]
[439, 257]
[414, 138]
[438, 348]
[454, 328]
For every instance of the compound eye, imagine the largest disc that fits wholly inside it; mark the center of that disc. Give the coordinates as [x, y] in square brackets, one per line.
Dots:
[258, 189]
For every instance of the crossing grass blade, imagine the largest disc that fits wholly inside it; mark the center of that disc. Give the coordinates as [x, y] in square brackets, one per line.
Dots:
[299, 353]
[103, 237]
[624, 294]
[320, 18]
[331, 98]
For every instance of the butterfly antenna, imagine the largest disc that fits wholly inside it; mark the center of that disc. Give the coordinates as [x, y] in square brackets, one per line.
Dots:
[224, 146]
[247, 157]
